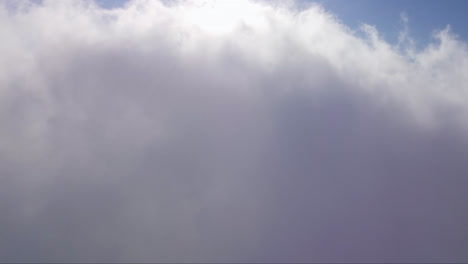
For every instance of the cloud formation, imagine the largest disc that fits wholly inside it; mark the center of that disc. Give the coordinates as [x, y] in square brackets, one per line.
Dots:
[209, 131]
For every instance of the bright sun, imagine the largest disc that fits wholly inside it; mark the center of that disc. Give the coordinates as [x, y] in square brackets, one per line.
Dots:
[222, 16]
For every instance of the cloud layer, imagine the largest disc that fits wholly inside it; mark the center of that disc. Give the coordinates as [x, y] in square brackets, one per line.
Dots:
[227, 131]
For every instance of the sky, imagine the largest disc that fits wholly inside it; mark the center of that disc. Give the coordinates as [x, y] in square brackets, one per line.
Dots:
[233, 131]
[423, 17]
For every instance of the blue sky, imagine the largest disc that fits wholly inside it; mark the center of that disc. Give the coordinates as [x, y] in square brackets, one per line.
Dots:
[424, 16]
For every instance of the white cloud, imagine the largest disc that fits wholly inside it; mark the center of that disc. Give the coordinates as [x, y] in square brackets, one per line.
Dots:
[226, 131]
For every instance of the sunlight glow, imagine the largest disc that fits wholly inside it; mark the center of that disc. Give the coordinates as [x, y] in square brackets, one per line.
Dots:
[223, 16]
